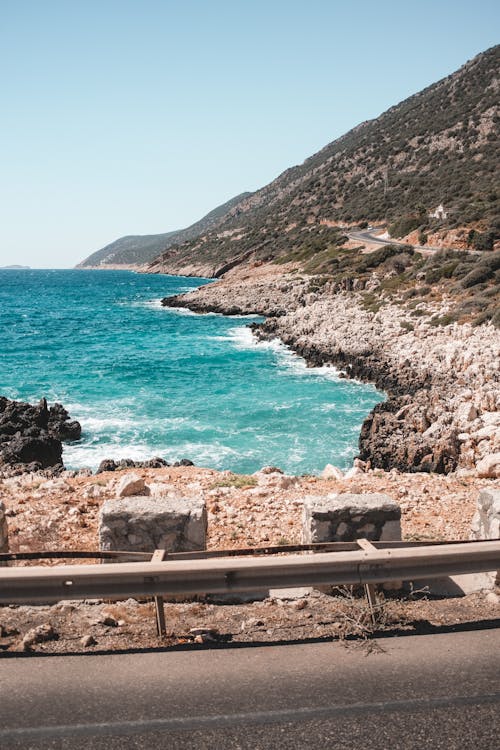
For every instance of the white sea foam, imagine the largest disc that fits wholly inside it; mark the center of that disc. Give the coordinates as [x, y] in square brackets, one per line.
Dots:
[152, 304]
[187, 311]
[243, 338]
[76, 456]
[203, 454]
[147, 303]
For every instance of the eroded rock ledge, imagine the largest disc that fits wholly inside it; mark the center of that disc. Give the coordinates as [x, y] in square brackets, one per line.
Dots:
[442, 383]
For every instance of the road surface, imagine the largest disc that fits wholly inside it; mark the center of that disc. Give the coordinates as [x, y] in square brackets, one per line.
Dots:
[430, 691]
[368, 236]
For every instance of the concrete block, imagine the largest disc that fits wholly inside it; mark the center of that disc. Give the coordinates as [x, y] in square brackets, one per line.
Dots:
[458, 585]
[486, 525]
[486, 521]
[138, 524]
[347, 517]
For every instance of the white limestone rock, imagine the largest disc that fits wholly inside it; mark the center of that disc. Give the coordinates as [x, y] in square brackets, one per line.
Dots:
[332, 472]
[131, 484]
[489, 466]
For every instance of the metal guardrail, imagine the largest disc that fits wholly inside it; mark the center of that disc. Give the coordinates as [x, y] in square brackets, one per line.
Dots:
[128, 556]
[231, 574]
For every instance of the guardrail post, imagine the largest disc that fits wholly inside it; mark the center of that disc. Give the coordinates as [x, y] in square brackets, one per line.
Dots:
[4, 534]
[370, 590]
[159, 556]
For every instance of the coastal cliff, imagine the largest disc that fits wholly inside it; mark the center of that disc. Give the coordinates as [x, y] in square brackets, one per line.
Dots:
[442, 382]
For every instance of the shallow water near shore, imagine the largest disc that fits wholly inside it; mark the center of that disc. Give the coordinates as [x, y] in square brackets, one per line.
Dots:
[146, 381]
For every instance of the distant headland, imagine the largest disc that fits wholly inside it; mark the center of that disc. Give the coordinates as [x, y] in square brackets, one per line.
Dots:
[15, 268]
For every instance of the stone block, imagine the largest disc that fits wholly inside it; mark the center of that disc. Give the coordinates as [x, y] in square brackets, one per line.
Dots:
[138, 524]
[486, 521]
[348, 516]
[486, 525]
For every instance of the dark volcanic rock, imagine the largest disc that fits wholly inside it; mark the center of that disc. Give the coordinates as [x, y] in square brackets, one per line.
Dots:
[30, 436]
[60, 425]
[44, 450]
[389, 440]
[109, 464]
[184, 462]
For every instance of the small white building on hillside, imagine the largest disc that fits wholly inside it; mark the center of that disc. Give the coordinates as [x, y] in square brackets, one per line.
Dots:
[438, 213]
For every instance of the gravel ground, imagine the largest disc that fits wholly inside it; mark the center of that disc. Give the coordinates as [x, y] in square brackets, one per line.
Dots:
[70, 627]
[61, 513]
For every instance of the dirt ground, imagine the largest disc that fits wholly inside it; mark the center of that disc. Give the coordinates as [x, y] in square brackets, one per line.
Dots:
[62, 513]
[71, 627]
[243, 511]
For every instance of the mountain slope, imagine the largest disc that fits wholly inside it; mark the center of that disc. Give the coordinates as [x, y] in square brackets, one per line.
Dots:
[140, 249]
[438, 146]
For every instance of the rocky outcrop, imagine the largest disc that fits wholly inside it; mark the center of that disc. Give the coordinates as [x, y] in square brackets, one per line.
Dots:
[31, 436]
[109, 464]
[60, 425]
[388, 443]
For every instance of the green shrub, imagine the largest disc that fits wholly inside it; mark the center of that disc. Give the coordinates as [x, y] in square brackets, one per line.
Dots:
[443, 320]
[476, 276]
[406, 325]
[481, 241]
[404, 225]
[375, 259]
[235, 480]
[433, 275]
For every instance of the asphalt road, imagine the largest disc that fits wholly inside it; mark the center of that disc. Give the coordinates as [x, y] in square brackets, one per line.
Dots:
[431, 691]
[368, 236]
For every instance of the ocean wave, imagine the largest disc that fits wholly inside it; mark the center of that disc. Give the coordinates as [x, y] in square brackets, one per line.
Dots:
[213, 455]
[191, 313]
[243, 338]
[77, 456]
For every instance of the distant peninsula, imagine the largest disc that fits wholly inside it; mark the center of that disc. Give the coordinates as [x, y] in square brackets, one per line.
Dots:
[15, 268]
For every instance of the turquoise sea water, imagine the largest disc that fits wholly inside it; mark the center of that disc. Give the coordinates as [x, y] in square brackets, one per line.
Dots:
[150, 381]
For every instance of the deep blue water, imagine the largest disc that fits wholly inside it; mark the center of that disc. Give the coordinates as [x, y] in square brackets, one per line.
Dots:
[145, 380]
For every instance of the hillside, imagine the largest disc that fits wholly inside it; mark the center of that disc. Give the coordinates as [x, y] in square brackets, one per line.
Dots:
[440, 146]
[140, 249]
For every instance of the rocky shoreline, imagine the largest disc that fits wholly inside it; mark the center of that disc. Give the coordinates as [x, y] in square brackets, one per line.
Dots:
[442, 412]
[31, 436]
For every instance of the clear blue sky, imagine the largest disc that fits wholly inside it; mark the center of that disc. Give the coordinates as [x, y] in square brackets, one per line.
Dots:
[121, 117]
